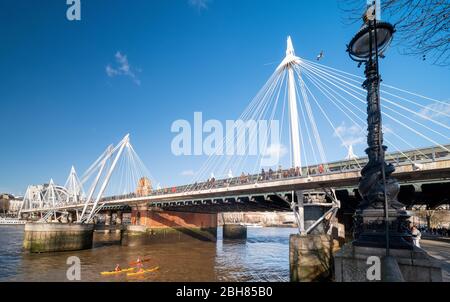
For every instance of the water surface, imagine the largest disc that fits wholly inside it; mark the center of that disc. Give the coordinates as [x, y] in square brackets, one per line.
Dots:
[264, 256]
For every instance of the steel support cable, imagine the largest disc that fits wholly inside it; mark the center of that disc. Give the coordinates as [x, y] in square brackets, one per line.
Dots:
[418, 95]
[328, 95]
[311, 118]
[94, 166]
[258, 118]
[330, 122]
[382, 84]
[343, 111]
[106, 155]
[261, 108]
[307, 132]
[332, 126]
[269, 130]
[389, 101]
[283, 110]
[406, 126]
[426, 107]
[311, 93]
[331, 92]
[141, 166]
[276, 91]
[416, 122]
[268, 103]
[362, 111]
[236, 162]
[256, 103]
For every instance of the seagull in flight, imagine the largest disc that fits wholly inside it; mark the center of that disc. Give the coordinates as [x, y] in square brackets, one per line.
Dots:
[320, 56]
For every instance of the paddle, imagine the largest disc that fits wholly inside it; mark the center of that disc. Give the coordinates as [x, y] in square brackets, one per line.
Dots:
[142, 261]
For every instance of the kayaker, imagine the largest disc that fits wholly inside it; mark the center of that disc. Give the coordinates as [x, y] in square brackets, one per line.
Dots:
[117, 269]
[139, 263]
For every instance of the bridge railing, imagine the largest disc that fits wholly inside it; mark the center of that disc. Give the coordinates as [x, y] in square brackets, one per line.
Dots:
[397, 159]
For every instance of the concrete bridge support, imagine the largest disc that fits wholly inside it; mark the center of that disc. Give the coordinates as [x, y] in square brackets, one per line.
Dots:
[72, 217]
[108, 222]
[108, 218]
[311, 256]
[57, 237]
[160, 225]
[234, 231]
[119, 217]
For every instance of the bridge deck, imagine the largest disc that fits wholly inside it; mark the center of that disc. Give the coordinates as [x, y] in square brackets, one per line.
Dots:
[433, 170]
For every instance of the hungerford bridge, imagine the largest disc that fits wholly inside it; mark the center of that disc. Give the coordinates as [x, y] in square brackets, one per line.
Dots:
[310, 99]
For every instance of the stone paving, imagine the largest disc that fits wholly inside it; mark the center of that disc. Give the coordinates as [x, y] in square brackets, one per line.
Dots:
[441, 251]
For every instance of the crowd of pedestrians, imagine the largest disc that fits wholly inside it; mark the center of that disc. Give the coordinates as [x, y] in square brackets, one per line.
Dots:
[265, 175]
[439, 231]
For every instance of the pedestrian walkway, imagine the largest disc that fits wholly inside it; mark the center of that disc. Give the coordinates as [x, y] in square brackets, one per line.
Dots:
[441, 251]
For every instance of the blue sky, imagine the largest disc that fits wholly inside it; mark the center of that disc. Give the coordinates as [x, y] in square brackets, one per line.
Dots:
[68, 89]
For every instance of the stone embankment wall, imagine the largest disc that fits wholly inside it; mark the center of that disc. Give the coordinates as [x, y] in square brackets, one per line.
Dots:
[56, 237]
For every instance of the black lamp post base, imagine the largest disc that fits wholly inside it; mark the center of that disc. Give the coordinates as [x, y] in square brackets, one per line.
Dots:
[370, 229]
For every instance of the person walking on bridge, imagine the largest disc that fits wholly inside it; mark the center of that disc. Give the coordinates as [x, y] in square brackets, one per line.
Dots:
[321, 169]
[416, 236]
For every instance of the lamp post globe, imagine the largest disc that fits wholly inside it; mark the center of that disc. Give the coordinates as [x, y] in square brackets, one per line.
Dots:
[369, 41]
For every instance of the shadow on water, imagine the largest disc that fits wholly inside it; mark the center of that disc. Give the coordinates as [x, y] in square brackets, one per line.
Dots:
[107, 239]
[203, 234]
[264, 256]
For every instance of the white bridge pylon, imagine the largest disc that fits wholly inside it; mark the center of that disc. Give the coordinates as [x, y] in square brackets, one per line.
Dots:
[45, 197]
[118, 170]
[74, 187]
[102, 163]
[288, 65]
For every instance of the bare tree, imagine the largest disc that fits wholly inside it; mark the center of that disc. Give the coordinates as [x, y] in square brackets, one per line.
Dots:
[422, 26]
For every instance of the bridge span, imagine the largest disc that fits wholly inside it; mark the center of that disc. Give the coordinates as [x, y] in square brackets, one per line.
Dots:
[216, 196]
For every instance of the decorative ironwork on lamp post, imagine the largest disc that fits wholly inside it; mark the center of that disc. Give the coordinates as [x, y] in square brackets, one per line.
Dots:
[381, 220]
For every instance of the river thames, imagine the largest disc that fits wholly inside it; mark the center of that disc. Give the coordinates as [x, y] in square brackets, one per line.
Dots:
[264, 256]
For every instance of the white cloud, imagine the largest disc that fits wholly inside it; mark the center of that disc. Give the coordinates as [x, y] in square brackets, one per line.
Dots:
[187, 173]
[111, 72]
[352, 135]
[276, 150]
[199, 4]
[123, 67]
[273, 154]
[387, 129]
[436, 110]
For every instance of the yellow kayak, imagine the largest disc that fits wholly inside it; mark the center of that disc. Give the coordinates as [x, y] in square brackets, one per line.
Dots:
[143, 272]
[127, 270]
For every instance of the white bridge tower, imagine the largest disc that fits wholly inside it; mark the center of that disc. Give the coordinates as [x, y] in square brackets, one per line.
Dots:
[288, 65]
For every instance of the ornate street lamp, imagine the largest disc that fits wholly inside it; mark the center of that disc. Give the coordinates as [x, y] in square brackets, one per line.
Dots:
[381, 220]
